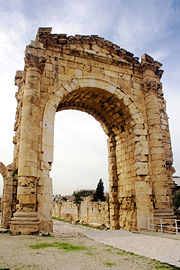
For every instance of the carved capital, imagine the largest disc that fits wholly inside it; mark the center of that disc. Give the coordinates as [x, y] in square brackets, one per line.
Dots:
[153, 85]
[35, 61]
[148, 66]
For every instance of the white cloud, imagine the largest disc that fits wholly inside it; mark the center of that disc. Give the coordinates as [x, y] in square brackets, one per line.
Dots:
[142, 22]
[12, 33]
[160, 54]
[79, 17]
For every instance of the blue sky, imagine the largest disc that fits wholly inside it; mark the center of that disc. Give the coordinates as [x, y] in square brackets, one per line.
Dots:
[141, 26]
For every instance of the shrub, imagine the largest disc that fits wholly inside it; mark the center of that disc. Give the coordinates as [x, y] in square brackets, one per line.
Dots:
[177, 199]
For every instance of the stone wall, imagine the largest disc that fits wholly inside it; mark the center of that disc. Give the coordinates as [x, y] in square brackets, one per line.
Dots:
[94, 213]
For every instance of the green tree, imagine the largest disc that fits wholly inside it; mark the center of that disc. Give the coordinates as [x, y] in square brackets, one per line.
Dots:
[83, 192]
[177, 199]
[77, 198]
[99, 194]
[79, 194]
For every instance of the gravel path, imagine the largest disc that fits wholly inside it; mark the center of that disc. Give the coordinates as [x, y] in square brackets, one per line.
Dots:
[81, 248]
[164, 250]
[154, 247]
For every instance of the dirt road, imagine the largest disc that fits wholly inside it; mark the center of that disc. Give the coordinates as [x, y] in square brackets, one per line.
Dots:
[68, 248]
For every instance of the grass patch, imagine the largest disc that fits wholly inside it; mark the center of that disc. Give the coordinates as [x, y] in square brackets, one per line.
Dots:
[166, 266]
[90, 253]
[24, 266]
[133, 255]
[59, 245]
[122, 253]
[59, 219]
[46, 236]
[85, 225]
[109, 250]
[70, 247]
[90, 226]
[109, 264]
[41, 245]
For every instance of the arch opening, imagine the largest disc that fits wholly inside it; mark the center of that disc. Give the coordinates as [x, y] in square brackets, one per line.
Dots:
[117, 123]
[103, 105]
[80, 153]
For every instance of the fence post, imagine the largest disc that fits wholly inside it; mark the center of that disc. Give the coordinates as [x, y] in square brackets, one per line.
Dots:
[149, 223]
[161, 225]
[176, 227]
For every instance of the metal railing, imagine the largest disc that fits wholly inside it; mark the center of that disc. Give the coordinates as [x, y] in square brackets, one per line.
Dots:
[160, 224]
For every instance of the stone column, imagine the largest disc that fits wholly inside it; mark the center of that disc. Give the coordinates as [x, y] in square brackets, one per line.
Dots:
[25, 219]
[19, 82]
[113, 185]
[157, 158]
[6, 198]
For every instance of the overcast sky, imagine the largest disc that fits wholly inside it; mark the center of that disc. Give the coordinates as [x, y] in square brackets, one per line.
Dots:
[140, 26]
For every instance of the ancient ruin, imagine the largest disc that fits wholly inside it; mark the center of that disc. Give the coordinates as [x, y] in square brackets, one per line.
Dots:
[85, 212]
[93, 75]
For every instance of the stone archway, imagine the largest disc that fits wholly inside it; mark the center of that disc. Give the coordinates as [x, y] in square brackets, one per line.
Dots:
[8, 200]
[109, 105]
[92, 75]
[3, 171]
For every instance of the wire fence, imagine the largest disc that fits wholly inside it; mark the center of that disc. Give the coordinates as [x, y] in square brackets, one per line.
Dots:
[160, 224]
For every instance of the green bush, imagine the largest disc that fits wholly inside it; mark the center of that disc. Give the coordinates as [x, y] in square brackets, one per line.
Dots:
[177, 199]
[77, 198]
[83, 192]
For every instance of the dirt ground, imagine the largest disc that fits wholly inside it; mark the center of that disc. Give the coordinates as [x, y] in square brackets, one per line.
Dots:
[67, 249]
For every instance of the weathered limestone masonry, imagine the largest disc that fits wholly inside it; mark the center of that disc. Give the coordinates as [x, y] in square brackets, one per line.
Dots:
[93, 213]
[93, 75]
[8, 200]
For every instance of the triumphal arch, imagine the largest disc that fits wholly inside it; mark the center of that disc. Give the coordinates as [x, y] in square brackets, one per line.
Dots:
[93, 75]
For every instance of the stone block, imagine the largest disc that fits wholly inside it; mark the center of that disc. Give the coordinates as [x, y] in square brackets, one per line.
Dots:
[45, 80]
[27, 199]
[48, 67]
[142, 168]
[49, 74]
[157, 150]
